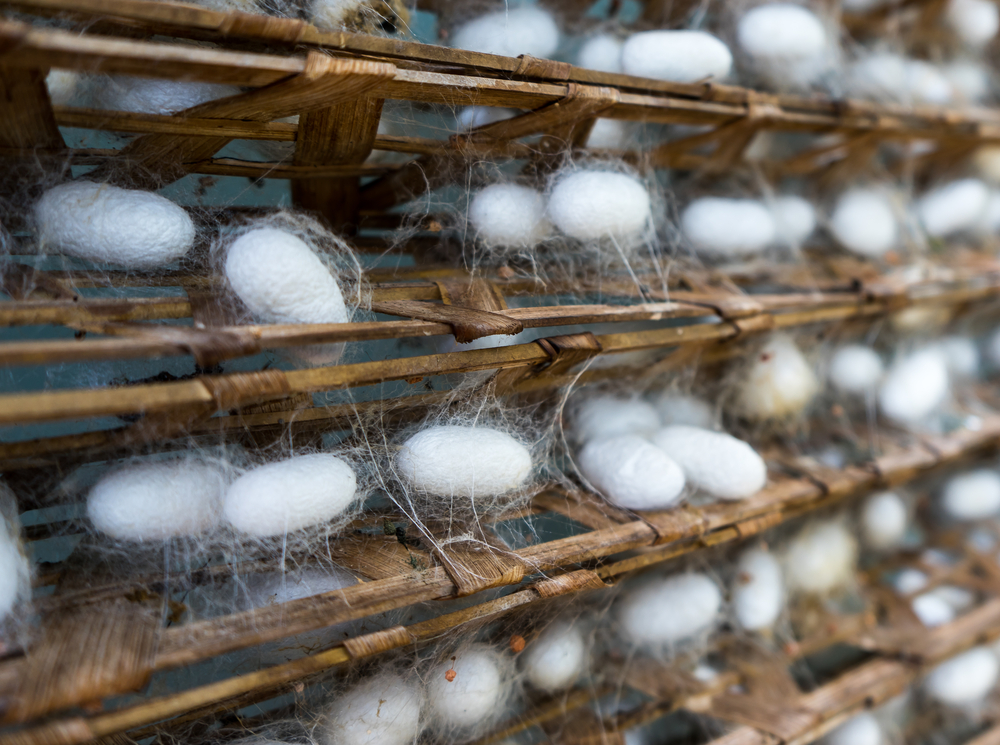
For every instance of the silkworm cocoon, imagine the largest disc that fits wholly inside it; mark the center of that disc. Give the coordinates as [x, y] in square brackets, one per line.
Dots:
[509, 215]
[780, 382]
[609, 134]
[932, 610]
[62, 86]
[668, 611]
[970, 81]
[100, 222]
[785, 43]
[974, 21]
[554, 660]
[156, 501]
[524, 30]
[728, 228]
[155, 96]
[925, 83]
[714, 462]
[690, 410]
[602, 52]
[855, 369]
[291, 494]
[15, 571]
[821, 558]
[794, 219]
[889, 76]
[961, 355]
[384, 710]
[467, 691]
[478, 116]
[678, 56]
[964, 679]
[632, 473]
[909, 581]
[594, 205]
[863, 222]
[600, 417]
[758, 590]
[883, 520]
[275, 588]
[459, 461]
[914, 386]
[863, 729]
[972, 496]
[953, 208]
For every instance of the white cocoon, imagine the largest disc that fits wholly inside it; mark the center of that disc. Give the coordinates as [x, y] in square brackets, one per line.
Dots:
[459, 461]
[973, 495]
[864, 222]
[883, 520]
[282, 280]
[961, 355]
[602, 53]
[100, 222]
[690, 410]
[594, 205]
[887, 76]
[779, 383]
[667, 611]
[275, 588]
[478, 116]
[554, 660]
[156, 501]
[969, 80]
[509, 215]
[155, 96]
[383, 710]
[954, 207]
[291, 494]
[524, 30]
[609, 134]
[964, 679]
[728, 228]
[608, 416]
[821, 558]
[632, 473]
[758, 590]
[863, 729]
[855, 369]
[909, 581]
[475, 694]
[15, 572]
[932, 610]
[914, 386]
[785, 43]
[62, 86]
[794, 218]
[678, 56]
[974, 21]
[715, 462]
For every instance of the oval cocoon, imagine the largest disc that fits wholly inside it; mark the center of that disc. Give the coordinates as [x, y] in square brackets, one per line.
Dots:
[758, 590]
[632, 473]
[383, 710]
[667, 611]
[974, 21]
[156, 501]
[554, 660]
[524, 30]
[281, 279]
[932, 610]
[794, 218]
[972, 496]
[509, 215]
[100, 222]
[594, 205]
[953, 208]
[678, 56]
[785, 43]
[467, 691]
[728, 228]
[600, 417]
[821, 558]
[290, 495]
[914, 387]
[883, 520]
[855, 369]
[779, 383]
[863, 729]
[715, 462]
[602, 52]
[458, 461]
[864, 222]
[964, 679]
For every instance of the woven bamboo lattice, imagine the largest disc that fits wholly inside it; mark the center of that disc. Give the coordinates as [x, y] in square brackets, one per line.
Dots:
[99, 643]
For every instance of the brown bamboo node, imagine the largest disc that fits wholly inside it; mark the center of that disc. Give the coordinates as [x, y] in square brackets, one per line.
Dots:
[259, 26]
[578, 581]
[378, 642]
[467, 324]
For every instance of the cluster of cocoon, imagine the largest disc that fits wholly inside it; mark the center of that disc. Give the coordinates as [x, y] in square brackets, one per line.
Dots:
[964, 679]
[467, 691]
[156, 96]
[863, 729]
[758, 590]
[100, 222]
[784, 44]
[914, 386]
[664, 612]
[864, 222]
[855, 369]
[553, 661]
[883, 520]
[779, 383]
[383, 710]
[594, 204]
[512, 32]
[973, 495]
[158, 501]
[821, 558]
[509, 215]
[678, 56]
[291, 494]
[956, 207]
[471, 462]
[15, 569]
